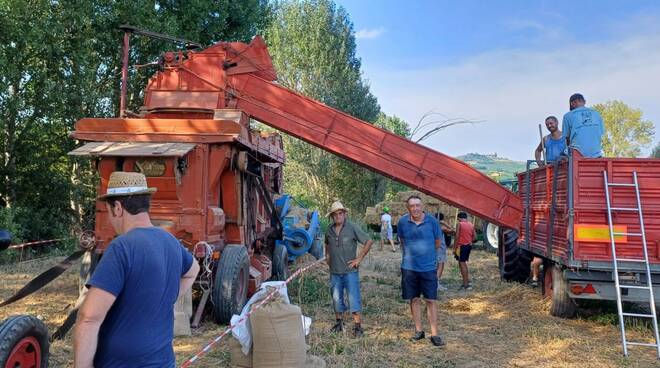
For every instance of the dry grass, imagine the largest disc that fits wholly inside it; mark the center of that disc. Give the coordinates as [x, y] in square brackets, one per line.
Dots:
[496, 325]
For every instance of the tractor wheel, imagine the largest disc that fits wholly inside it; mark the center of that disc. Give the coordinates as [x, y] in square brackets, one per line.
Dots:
[230, 284]
[491, 238]
[555, 287]
[280, 263]
[23, 342]
[317, 248]
[514, 262]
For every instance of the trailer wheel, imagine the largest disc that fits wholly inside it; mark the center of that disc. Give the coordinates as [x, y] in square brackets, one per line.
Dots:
[23, 342]
[491, 236]
[317, 248]
[280, 263]
[514, 262]
[555, 287]
[231, 283]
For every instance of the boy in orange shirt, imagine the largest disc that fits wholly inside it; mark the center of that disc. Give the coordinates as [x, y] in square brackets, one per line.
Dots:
[465, 236]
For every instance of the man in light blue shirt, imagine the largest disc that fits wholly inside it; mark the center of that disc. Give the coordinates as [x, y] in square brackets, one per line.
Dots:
[583, 128]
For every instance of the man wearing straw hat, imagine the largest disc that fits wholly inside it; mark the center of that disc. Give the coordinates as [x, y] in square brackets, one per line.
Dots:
[127, 317]
[341, 243]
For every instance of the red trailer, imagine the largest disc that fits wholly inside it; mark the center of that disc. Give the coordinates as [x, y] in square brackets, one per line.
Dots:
[565, 222]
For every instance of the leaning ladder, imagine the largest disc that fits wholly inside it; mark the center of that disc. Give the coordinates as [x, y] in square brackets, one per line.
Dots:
[649, 286]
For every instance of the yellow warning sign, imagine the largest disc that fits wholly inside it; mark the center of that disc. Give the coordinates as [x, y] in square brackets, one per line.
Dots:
[599, 233]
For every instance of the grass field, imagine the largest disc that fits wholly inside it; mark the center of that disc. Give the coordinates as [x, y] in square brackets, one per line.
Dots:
[495, 325]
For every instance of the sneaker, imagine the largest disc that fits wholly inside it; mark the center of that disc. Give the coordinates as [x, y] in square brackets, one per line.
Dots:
[534, 283]
[358, 331]
[338, 327]
[418, 336]
[441, 287]
[437, 341]
[468, 287]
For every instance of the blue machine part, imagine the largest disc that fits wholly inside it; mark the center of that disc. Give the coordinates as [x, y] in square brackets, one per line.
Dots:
[297, 239]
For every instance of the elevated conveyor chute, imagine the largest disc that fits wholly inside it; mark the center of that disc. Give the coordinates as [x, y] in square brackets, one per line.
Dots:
[240, 76]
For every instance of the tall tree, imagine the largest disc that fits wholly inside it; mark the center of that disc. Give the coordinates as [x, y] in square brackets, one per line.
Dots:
[60, 61]
[312, 43]
[626, 131]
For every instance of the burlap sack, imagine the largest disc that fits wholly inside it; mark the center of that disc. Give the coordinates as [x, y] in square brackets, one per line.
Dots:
[238, 359]
[314, 362]
[278, 336]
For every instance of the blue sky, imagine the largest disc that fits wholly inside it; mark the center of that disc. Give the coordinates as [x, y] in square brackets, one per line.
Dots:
[508, 64]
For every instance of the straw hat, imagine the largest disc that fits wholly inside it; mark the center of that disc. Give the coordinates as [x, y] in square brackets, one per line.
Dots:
[336, 206]
[126, 183]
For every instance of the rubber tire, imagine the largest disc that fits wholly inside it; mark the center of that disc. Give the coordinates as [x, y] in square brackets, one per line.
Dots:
[513, 261]
[16, 328]
[230, 283]
[280, 263]
[556, 288]
[317, 248]
[488, 245]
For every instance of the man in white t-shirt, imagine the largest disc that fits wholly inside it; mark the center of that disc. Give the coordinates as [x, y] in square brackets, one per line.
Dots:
[386, 229]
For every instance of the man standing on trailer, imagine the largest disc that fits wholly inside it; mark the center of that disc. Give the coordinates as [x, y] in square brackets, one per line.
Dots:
[420, 237]
[127, 317]
[583, 127]
[341, 243]
[465, 236]
[553, 144]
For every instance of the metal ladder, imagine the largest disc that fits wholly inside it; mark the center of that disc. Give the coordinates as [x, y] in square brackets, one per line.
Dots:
[649, 286]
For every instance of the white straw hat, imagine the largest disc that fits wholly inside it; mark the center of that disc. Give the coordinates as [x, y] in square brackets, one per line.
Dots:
[336, 206]
[123, 183]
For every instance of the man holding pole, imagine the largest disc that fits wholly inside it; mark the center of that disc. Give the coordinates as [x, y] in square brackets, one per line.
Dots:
[552, 145]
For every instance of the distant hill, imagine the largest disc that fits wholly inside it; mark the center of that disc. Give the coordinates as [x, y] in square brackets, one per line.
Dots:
[498, 168]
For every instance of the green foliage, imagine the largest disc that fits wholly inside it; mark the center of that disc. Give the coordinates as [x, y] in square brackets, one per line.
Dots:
[656, 151]
[61, 61]
[312, 43]
[498, 168]
[626, 132]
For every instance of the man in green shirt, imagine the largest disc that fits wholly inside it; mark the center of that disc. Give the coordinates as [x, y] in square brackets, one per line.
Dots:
[341, 243]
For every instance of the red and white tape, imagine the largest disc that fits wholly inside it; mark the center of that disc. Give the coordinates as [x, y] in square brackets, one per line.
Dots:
[208, 347]
[25, 245]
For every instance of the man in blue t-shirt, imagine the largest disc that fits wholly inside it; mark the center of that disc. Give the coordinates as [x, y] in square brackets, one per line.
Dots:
[420, 237]
[583, 127]
[127, 317]
[553, 144]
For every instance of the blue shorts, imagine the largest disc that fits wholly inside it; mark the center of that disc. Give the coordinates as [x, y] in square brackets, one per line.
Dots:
[464, 253]
[386, 234]
[349, 282]
[414, 284]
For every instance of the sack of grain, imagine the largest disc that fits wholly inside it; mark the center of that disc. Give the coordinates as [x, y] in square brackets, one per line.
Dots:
[238, 359]
[278, 336]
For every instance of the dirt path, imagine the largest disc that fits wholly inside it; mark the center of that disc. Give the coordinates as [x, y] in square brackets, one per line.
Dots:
[496, 325]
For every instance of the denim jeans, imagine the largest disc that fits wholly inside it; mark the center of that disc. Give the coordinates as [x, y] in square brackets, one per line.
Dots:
[349, 282]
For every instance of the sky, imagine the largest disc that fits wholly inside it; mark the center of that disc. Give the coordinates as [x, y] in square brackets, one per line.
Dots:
[506, 64]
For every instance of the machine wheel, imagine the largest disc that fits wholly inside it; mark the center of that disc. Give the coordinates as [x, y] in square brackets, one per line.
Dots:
[491, 238]
[514, 262]
[280, 263]
[555, 287]
[23, 342]
[317, 248]
[230, 284]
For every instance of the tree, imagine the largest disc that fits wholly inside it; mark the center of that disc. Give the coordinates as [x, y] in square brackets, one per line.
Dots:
[61, 61]
[626, 132]
[312, 43]
[656, 151]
